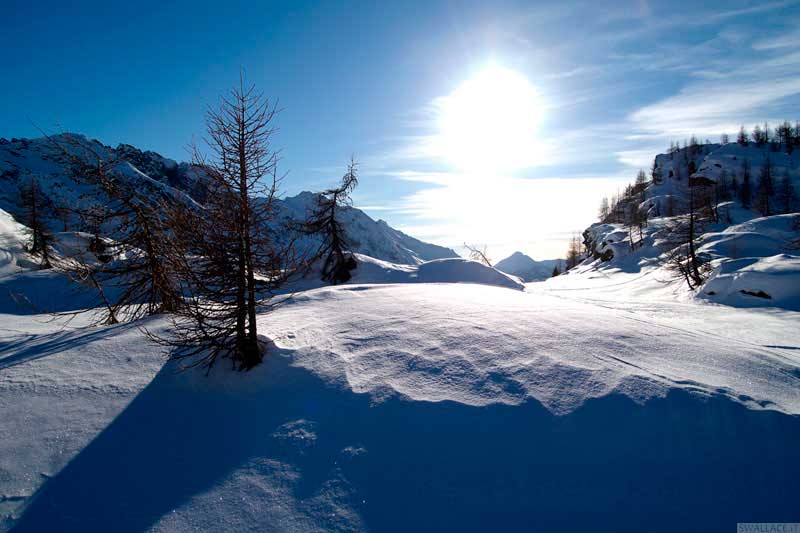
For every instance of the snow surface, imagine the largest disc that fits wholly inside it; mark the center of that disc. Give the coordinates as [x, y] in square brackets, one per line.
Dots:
[420, 397]
[407, 407]
[759, 256]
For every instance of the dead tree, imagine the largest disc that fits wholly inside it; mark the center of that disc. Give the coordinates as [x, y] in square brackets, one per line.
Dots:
[35, 209]
[325, 222]
[227, 259]
[479, 254]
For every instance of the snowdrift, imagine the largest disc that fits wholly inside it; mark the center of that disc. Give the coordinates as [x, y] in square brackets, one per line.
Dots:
[751, 268]
[423, 407]
[458, 270]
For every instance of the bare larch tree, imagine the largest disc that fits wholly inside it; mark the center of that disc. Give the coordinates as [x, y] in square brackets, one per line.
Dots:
[479, 253]
[227, 258]
[325, 221]
[130, 268]
[36, 207]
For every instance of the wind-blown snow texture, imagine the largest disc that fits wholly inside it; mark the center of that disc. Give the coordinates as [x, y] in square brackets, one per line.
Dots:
[421, 407]
[21, 159]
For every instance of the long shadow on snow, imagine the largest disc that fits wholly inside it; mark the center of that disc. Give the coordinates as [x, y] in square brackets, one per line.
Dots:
[44, 291]
[29, 347]
[680, 463]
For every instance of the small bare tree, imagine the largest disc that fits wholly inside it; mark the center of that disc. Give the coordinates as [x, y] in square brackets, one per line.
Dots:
[573, 252]
[131, 268]
[684, 233]
[479, 254]
[325, 221]
[35, 208]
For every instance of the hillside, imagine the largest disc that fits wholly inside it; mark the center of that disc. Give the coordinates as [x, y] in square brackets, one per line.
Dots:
[23, 159]
[746, 227]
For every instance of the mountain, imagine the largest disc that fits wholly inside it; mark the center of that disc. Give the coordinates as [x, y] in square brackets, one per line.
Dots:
[521, 265]
[23, 159]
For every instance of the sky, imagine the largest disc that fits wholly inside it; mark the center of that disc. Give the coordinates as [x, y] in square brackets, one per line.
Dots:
[491, 123]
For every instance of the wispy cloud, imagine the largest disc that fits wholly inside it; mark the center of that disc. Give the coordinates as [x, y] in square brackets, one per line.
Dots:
[753, 89]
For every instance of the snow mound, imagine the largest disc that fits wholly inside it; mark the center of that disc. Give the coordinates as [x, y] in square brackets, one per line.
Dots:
[13, 257]
[752, 268]
[480, 345]
[371, 270]
[408, 407]
[756, 282]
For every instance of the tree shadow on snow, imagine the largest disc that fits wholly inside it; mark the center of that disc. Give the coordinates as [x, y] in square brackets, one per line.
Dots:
[18, 349]
[44, 291]
[682, 463]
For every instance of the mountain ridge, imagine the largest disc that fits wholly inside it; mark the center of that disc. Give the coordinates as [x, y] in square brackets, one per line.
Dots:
[22, 159]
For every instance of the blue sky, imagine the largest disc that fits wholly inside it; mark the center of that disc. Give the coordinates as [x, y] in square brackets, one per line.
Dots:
[614, 83]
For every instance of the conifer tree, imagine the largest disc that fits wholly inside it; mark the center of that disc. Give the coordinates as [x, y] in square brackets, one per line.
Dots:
[325, 221]
[36, 207]
[228, 259]
[745, 188]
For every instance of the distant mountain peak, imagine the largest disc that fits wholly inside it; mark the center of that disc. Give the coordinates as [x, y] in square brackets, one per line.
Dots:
[523, 266]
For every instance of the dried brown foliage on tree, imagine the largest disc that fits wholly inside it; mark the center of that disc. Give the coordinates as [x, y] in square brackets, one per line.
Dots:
[227, 258]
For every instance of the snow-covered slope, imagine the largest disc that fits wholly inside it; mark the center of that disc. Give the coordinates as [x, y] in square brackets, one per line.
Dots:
[21, 159]
[366, 236]
[754, 259]
[523, 266]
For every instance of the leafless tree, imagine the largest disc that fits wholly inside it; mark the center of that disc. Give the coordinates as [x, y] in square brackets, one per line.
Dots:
[130, 268]
[573, 252]
[228, 260]
[684, 233]
[36, 207]
[766, 188]
[479, 253]
[325, 221]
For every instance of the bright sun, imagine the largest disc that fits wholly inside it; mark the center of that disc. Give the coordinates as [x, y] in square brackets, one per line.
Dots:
[490, 122]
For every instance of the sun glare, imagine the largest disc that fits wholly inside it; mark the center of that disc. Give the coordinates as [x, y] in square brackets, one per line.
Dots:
[490, 122]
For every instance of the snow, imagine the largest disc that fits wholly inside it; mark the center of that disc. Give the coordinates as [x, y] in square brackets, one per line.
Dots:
[755, 264]
[454, 270]
[411, 407]
[421, 397]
